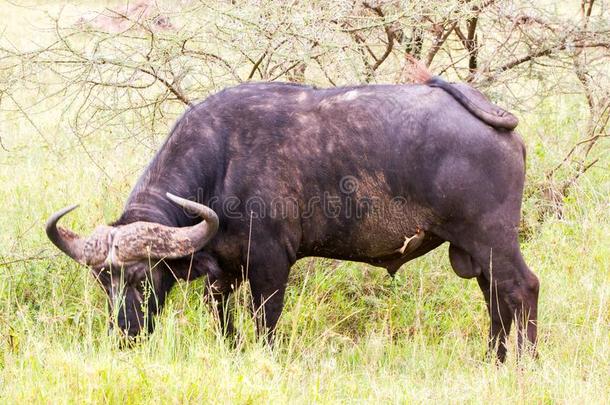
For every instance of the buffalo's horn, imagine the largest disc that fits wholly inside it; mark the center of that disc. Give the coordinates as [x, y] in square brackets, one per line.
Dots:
[144, 240]
[199, 235]
[135, 241]
[66, 240]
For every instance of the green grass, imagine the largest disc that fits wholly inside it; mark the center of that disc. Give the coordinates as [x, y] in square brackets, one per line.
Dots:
[348, 333]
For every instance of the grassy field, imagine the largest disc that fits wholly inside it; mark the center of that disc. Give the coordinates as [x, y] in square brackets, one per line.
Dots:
[348, 334]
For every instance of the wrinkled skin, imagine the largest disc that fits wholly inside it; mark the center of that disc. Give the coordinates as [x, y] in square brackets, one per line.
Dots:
[459, 180]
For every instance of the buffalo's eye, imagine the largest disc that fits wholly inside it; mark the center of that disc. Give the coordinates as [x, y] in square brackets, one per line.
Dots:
[100, 272]
[102, 276]
[135, 275]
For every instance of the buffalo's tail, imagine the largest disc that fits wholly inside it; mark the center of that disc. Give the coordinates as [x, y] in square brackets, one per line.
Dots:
[471, 99]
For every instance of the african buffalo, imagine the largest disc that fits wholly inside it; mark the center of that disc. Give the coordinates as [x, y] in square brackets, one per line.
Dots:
[379, 174]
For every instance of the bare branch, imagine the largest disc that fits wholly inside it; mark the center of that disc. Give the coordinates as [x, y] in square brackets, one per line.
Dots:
[441, 36]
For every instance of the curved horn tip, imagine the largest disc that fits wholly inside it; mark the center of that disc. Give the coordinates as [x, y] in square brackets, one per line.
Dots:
[182, 202]
[57, 215]
[67, 241]
[174, 198]
[202, 210]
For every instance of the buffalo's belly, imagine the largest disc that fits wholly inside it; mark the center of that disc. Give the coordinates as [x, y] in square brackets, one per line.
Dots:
[362, 236]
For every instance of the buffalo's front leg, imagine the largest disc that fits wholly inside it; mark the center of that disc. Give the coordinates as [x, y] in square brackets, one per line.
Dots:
[268, 274]
[220, 290]
[220, 283]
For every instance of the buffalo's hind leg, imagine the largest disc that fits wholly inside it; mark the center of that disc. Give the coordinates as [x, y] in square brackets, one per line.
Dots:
[509, 287]
[500, 320]
[511, 294]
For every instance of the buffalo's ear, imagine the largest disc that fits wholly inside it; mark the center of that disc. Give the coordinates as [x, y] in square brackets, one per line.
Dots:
[195, 266]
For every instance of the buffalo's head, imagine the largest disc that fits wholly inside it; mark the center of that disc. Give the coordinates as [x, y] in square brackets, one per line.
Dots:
[129, 260]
